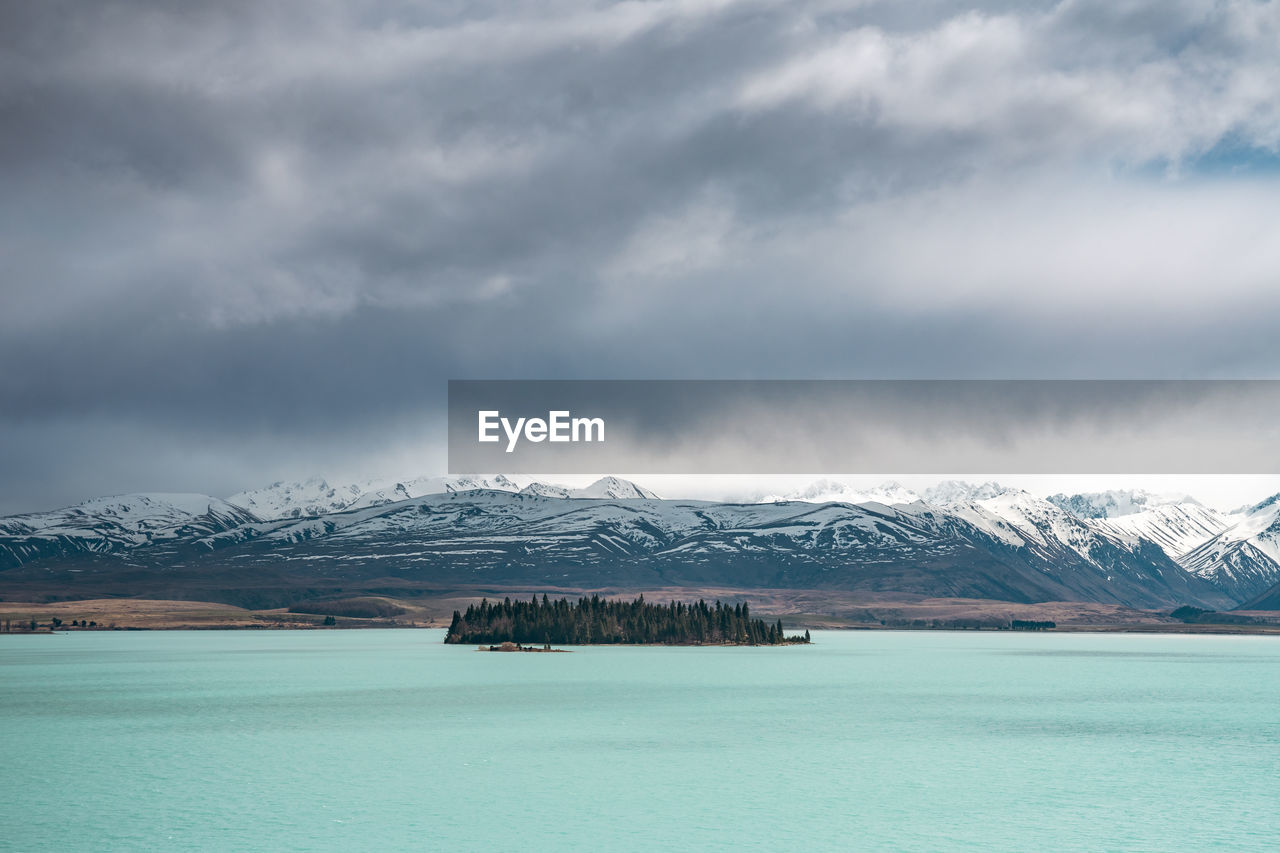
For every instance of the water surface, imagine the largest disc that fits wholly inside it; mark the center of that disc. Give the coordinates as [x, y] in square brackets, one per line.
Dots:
[351, 740]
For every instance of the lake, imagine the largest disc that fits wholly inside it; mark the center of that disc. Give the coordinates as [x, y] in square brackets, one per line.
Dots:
[390, 740]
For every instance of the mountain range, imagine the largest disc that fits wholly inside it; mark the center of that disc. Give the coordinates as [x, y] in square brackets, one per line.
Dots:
[287, 541]
[315, 496]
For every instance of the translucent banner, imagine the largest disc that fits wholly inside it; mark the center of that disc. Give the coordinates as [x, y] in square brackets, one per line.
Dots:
[871, 426]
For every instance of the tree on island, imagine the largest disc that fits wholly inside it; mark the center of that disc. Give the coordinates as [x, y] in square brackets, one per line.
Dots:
[597, 621]
[1032, 625]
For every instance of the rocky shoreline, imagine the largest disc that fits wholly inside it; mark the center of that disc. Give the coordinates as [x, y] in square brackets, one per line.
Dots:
[516, 647]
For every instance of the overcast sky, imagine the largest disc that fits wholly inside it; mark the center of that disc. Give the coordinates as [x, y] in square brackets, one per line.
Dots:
[245, 241]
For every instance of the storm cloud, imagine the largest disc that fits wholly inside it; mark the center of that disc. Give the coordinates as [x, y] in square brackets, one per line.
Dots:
[247, 240]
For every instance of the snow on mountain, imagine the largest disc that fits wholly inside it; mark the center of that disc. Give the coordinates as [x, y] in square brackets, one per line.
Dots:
[613, 488]
[1098, 562]
[296, 499]
[1018, 517]
[1178, 528]
[1032, 519]
[492, 528]
[421, 486]
[831, 491]
[546, 490]
[128, 515]
[114, 523]
[1244, 559]
[1009, 547]
[1022, 519]
[953, 492]
[1116, 503]
[316, 497]
[1017, 548]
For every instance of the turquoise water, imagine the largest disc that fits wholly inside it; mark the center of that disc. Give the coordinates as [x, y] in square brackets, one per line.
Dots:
[389, 740]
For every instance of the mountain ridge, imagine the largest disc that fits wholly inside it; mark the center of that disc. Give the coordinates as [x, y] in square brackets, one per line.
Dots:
[1243, 559]
[502, 537]
[977, 540]
[1116, 503]
[314, 497]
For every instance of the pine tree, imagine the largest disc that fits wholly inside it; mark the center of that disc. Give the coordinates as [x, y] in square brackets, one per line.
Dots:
[597, 620]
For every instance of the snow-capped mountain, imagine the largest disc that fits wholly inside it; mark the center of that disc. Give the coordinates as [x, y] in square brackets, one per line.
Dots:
[117, 523]
[1012, 547]
[1117, 503]
[1178, 528]
[499, 537]
[420, 486]
[613, 488]
[299, 499]
[546, 490]
[1244, 559]
[1022, 520]
[968, 540]
[1094, 563]
[953, 492]
[606, 488]
[831, 491]
[316, 497]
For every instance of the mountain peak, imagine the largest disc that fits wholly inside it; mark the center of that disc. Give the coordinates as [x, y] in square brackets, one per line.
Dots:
[297, 499]
[546, 490]
[606, 488]
[1116, 502]
[614, 488]
[1263, 504]
[952, 492]
[833, 491]
[1177, 528]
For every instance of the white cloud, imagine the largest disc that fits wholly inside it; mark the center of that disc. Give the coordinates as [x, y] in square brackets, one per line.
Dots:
[1028, 252]
[1040, 247]
[671, 245]
[1048, 84]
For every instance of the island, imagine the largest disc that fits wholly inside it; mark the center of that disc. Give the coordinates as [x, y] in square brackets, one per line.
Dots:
[598, 621]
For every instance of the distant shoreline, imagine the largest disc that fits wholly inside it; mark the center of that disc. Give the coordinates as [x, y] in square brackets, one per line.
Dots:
[1167, 630]
[799, 613]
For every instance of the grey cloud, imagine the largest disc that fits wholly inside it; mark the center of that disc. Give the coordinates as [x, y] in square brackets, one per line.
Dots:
[256, 225]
